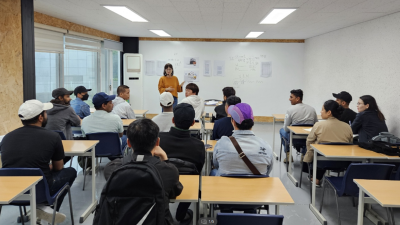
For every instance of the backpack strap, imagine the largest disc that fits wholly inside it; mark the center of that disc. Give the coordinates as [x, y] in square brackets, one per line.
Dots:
[246, 160]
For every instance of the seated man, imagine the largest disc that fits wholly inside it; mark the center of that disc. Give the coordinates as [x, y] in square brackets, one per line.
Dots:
[81, 108]
[164, 120]
[102, 120]
[191, 93]
[143, 138]
[62, 116]
[298, 113]
[219, 111]
[33, 146]
[121, 107]
[223, 126]
[344, 99]
[178, 143]
[226, 159]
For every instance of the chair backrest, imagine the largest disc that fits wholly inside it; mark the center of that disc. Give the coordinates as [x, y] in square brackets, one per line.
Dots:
[302, 125]
[253, 219]
[397, 176]
[42, 188]
[336, 143]
[61, 134]
[184, 167]
[370, 171]
[109, 143]
[244, 175]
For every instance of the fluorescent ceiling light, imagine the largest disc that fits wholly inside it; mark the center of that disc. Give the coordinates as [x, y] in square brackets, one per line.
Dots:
[125, 12]
[276, 15]
[254, 34]
[161, 33]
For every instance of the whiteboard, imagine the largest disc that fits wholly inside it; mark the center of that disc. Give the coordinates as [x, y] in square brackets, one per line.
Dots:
[266, 95]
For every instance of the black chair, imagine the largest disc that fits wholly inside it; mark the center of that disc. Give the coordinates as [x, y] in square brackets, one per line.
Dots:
[239, 219]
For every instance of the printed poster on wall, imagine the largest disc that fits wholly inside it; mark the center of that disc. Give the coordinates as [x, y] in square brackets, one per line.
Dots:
[219, 68]
[207, 68]
[191, 62]
[191, 76]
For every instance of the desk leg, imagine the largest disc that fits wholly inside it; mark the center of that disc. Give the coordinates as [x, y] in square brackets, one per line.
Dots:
[92, 206]
[276, 209]
[196, 212]
[273, 139]
[32, 205]
[313, 209]
[290, 173]
[360, 218]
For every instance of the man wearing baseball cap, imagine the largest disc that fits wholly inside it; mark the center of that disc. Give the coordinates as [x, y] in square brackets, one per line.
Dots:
[344, 99]
[102, 120]
[33, 146]
[62, 116]
[179, 144]
[164, 120]
[81, 108]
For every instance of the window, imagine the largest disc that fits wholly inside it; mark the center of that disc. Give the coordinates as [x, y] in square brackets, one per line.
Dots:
[111, 71]
[47, 69]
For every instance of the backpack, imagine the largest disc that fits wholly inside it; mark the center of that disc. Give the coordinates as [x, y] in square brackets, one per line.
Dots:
[133, 194]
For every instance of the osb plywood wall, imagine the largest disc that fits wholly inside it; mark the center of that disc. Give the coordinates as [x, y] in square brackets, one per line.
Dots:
[55, 22]
[11, 91]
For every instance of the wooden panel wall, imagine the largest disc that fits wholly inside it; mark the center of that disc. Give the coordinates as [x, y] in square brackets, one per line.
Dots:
[56, 22]
[221, 40]
[11, 89]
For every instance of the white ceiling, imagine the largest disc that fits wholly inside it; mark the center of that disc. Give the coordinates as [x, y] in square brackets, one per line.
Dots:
[219, 18]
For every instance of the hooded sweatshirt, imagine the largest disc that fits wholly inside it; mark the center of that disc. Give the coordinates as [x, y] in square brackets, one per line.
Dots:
[62, 117]
[197, 103]
[123, 109]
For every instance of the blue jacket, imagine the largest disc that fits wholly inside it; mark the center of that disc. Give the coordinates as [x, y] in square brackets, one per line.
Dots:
[368, 125]
[81, 108]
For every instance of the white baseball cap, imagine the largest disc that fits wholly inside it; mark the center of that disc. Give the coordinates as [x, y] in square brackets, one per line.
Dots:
[166, 99]
[32, 108]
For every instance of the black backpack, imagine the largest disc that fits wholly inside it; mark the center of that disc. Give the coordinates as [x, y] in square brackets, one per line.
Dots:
[134, 194]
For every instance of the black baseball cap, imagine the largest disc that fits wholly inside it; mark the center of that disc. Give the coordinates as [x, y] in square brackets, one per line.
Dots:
[345, 96]
[80, 89]
[100, 98]
[60, 92]
[184, 115]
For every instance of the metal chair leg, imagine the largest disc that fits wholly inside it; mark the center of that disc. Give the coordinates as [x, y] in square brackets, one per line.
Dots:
[322, 199]
[70, 163]
[309, 174]
[22, 216]
[391, 210]
[280, 154]
[301, 173]
[84, 173]
[388, 215]
[70, 205]
[337, 206]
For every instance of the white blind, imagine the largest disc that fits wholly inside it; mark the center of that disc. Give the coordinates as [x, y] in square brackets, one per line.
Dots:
[113, 45]
[48, 41]
[83, 44]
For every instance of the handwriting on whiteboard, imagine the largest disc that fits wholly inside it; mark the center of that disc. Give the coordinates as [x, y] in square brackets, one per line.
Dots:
[245, 79]
[246, 62]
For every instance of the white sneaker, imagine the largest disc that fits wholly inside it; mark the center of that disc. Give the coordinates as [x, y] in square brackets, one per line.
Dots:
[46, 213]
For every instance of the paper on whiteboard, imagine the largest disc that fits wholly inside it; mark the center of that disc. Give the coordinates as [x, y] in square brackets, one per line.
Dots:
[212, 102]
[219, 68]
[160, 67]
[207, 68]
[191, 76]
[309, 129]
[191, 62]
[266, 69]
[150, 66]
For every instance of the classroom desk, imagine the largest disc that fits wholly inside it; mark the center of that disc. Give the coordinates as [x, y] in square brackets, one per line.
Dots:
[383, 192]
[13, 188]
[81, 148]
[208, 127]
[125, 123]
[190, 192]
[345, 153]
[142, 112]
[254, 191]
[296, 132]
[209, 153]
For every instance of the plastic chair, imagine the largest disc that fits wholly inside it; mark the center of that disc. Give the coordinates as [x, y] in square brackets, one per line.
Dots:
[109, 146]
[253, 219]
[345, 186]
[42, 190]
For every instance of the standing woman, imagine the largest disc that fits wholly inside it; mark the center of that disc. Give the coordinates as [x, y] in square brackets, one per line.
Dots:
[369, 121]
[170, 83]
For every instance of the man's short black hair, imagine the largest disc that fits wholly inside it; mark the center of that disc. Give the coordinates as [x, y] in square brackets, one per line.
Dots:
[193, 87]
[184, 115]
[297, 93]
[33, 120]
[143, 135]
[245, 125]
[233, 100]
[228, 91]
[122, 89]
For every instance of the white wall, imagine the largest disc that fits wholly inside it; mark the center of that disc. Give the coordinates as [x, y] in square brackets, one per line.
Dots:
[361, 59]
[265, 95]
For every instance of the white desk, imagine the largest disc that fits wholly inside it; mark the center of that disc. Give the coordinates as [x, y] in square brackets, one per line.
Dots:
[14, 188]
[81, 148]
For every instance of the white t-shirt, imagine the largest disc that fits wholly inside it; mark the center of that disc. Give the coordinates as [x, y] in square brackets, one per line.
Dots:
[164, 121]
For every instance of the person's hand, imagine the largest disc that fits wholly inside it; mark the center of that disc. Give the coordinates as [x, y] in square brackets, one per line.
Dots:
[158, 151]
[182, 83]
[170, 89]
